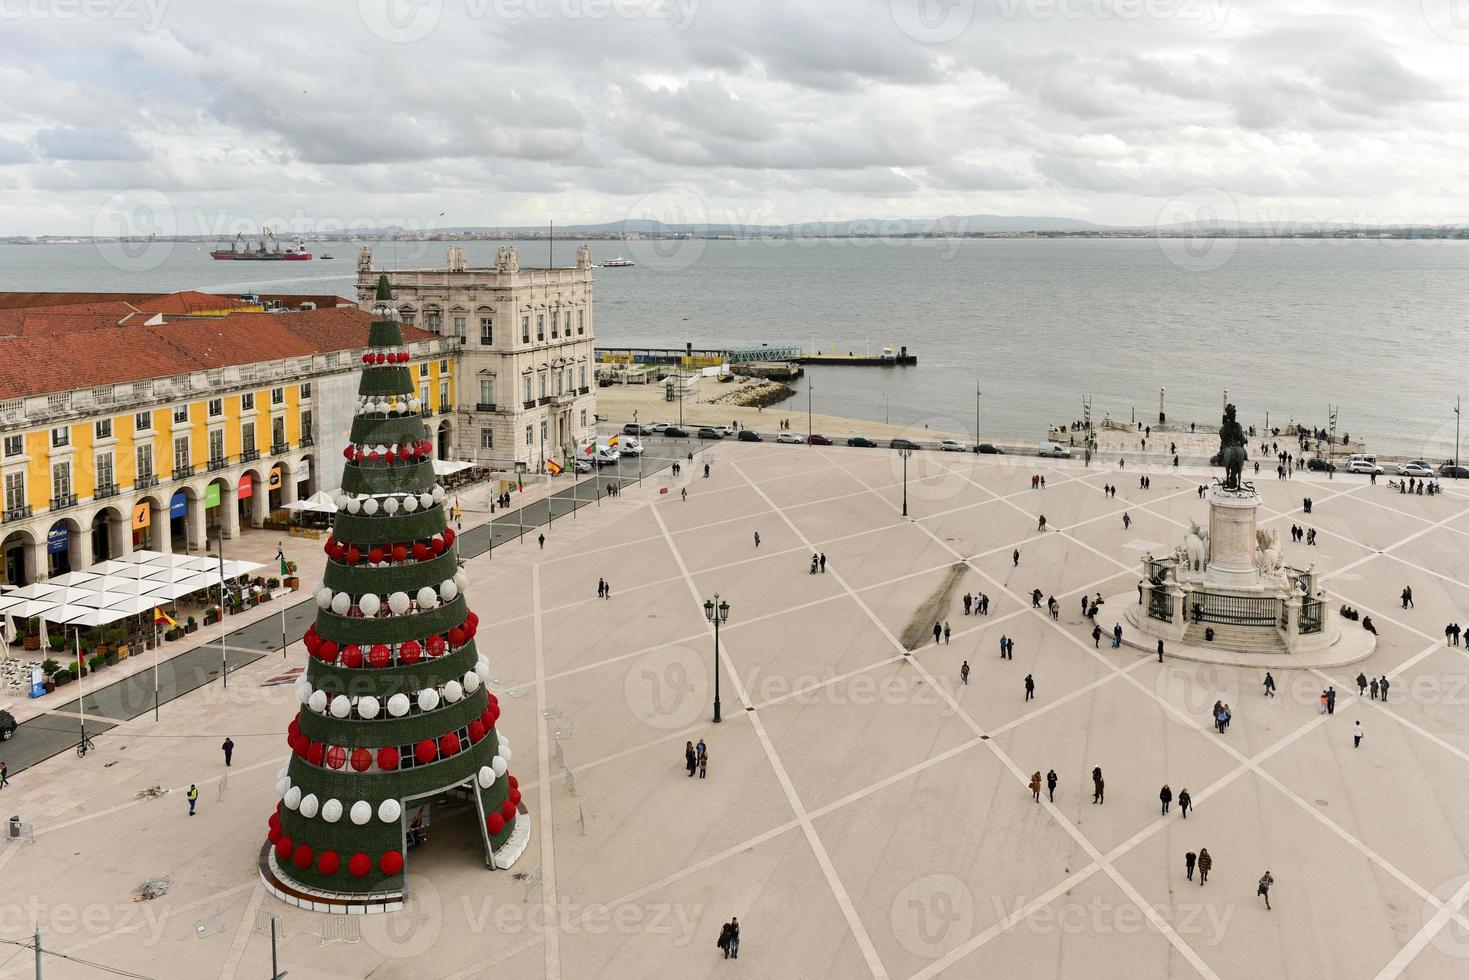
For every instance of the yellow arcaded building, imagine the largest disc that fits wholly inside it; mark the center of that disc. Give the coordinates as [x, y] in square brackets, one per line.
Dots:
[160, 422]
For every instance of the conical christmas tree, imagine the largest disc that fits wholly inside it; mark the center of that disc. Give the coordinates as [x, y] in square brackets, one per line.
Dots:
[394, 703]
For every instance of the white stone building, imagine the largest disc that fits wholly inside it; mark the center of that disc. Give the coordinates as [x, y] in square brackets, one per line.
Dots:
[526, 372]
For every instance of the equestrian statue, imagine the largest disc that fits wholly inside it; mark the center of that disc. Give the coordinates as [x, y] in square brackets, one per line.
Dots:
[1232, 454]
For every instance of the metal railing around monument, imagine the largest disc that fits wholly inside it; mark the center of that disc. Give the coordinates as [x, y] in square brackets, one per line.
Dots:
[1160, 604]
[1232, 610]
[1312, 615]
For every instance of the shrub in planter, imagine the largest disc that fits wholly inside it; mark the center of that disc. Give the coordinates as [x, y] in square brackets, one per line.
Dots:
[272, 583]
[97, 661]
[48, 686]
[58, 643]
[191, 625]
[64, 677]
[49, 667]
[110, 657]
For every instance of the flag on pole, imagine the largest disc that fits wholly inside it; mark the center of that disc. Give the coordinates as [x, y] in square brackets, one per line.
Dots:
[161, 618]
[612, 441]
[553, 467]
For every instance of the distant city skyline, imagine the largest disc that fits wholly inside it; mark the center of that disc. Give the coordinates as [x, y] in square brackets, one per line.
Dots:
[152, 116]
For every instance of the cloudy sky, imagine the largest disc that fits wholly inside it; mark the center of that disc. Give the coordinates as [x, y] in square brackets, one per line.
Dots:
[203, 116]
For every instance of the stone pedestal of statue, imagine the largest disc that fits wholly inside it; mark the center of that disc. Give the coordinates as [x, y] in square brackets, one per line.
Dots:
[1232, 542]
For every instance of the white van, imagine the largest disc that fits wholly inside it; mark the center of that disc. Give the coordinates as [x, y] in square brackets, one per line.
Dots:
[629, 446]
[1054, 450]
[1364, 463]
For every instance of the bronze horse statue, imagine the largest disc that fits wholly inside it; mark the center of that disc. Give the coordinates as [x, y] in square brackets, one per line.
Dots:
[1232, 453]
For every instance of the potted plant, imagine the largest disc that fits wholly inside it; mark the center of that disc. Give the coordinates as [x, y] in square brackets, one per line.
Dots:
[211, 615]
[110, 657]
[293, 582]
[272, 583]
[63, 677]
[58, 643]
[191, 625]
[49, 666]
[33, 637]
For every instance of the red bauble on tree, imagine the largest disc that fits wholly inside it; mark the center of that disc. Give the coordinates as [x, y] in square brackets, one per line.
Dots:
[359, 864]
[361, 760]
[303, 856]
[449, 745]
[328, 862]
[336, 757]
[387, 758]
[425, 751]
[494, 823]
[391, 862]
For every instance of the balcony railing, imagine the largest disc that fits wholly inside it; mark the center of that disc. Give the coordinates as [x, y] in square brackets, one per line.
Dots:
[484, 406]
[16, 513]
[145, 481]
[218, 463]
[280, 448]
[104, 491]
[445, 407]
[306, 441]
[249, 455]
[183, 472]
[529, 404]
[63, 501]
[584, 389]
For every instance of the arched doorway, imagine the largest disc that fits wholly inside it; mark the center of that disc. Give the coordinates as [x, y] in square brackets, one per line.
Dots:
[107, 541]
[149, 521]
[64, 548]
[446, 440]
[252, 498]
[15, 558]
[303, 474]
[178, 518]
[276, 481]
[219, 504]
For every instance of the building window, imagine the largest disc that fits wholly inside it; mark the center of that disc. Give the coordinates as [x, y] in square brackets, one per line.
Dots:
[487, 392]
[444, 395]
[247, 437]
[432, 320]
[143, 421]
[560, 383]
[579, 322]
[277, 396]
[543, 384]
[583, 375]
[555, 324]
[60, 482]
[216, 407]
[181, 413]
[543, 432]
[459, 327]
[305, 390]
[444, 367]
[540, 326]
[486, 331]
[530, 438]
[181, 453]
[105, 476]
[526, 379]
[306, 425]
[525, 329]
[423, 394]
[15, 491]
[14, 445]
[487, 438]
[247, 402]
[408, 319]
[104, 428]
[583, 418]
[145, 462]
[61, 436]
[277, 431]
[216, 445]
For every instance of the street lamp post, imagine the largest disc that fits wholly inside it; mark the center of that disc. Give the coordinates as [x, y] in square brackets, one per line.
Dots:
[716, 612]
[976, 413]
[905, 453]
[809, 386]
[1457, 417]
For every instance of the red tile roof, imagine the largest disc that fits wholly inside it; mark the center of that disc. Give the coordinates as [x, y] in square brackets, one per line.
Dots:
[68, 352]
[176, 302]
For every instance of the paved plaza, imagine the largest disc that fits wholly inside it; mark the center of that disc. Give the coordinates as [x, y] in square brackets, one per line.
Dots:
[865, 812]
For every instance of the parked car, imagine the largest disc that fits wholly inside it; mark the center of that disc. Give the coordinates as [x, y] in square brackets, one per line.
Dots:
[709, 432]
[901, 443]
[607, 456]
[953, 446]
[1320, 465]
[659, 426]
[583, 465]
[630, 447]
[637, 429]
[1415, 467]
[790, 438]
[674, 432]
[817, 439]
[749, 435]
[1055, 450]
[862, 441]
[989, 449]
[7, 726]
[1364, 464]
[1454, 472]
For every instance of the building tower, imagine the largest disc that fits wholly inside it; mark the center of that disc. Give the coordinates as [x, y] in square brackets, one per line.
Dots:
[394, 703]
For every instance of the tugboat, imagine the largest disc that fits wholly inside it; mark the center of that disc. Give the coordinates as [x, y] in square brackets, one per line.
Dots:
[267, 250]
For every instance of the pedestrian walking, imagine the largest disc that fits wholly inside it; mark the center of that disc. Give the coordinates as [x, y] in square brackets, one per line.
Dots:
[968, 601]
[1373, 688]
[1160, 651]
[542, 539]
[703, 760]
[1269, 685]
[1126, 521]
[1382, 687]
[683, 494]
[1356, 734]
[1099, 785]
[938, 631]
[1097, 637]
[984, 604]
[1004, 642]
[1323, 703]
[757, 539]
[4, 775]
[1407, 596]
[1331, 700]
[1189, 860]
[193, 798]
[724, 938]
[1184, 802]
[1165, 796]
[964, 673]
[1266, 880]
[1015, 557]
[946, 632]
[1116, 635]
[601, 587]
[1206, 863]
[1362, 684]
[1041, 524]
[229, 750]
[823, 563]
[1035, 785]
[690, 758]
[1029, 687]
[1051, 785]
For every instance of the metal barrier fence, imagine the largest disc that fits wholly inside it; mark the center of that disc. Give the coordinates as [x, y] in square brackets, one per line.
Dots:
[1311, 616]
[1160, 604]
[1233, 610]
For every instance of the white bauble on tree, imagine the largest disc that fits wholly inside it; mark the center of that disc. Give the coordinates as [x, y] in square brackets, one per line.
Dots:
[399, 602]
[389, 810]
[323, 598]
[361, 812]
[369, 604]
[303, 690]
[486, 777]
[309, 805]
[471, 682]
[410, 503]
[448, 590]
[390, 505]
[453, 691]
[341, 602]
[398, 705]
[427, 597]
[317, 702]
[354, 506]
[438, 494]
[369, 506]
[428, 699]
[331, 811]
[500, 765]
[340, 707]
[368, 707]
[482, 668]
[425, 500]
[282, 786]
[293, 798]
[461, 579]
[504, 751]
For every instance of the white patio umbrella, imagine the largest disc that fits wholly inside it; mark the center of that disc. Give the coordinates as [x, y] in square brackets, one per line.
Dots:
[177, 590]
[79, 616]
[175, 574]
[234, 569]
[110, 567]
[143, 556]
[7, 629]
[74, 578]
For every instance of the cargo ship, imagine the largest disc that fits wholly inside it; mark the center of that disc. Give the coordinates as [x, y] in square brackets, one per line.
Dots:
[266, 250]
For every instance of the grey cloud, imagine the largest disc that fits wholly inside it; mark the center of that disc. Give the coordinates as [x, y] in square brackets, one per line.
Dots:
[89, 143]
